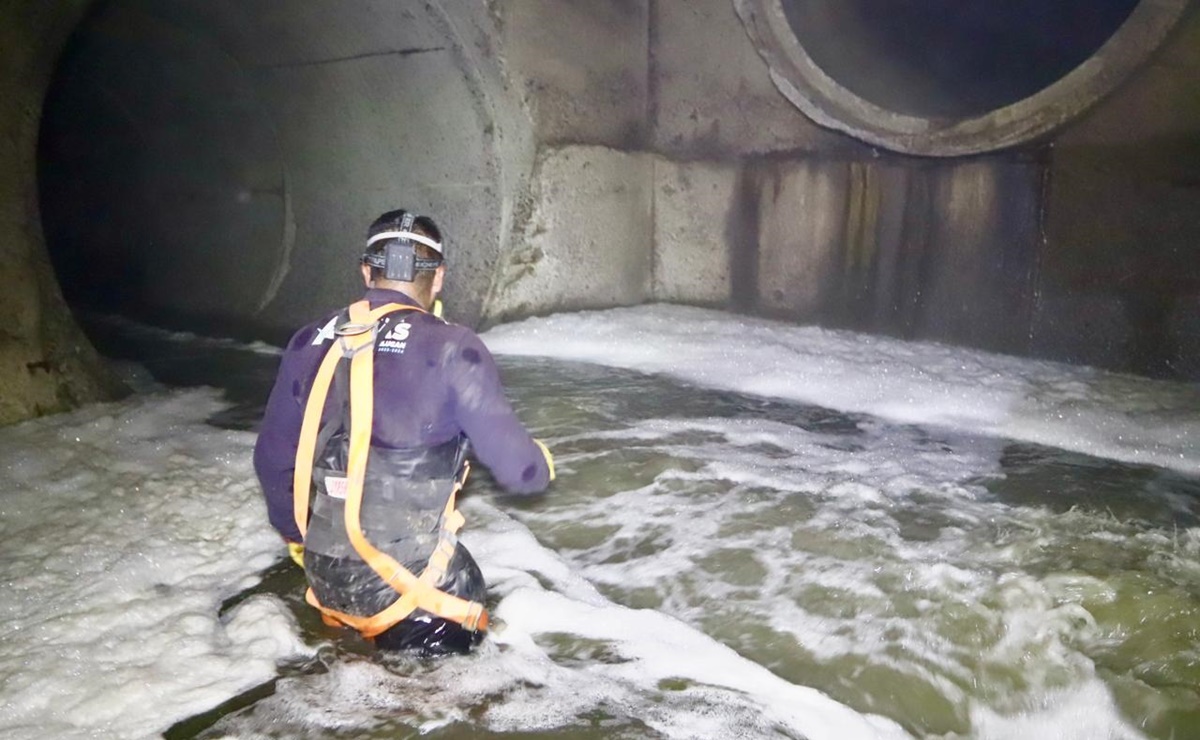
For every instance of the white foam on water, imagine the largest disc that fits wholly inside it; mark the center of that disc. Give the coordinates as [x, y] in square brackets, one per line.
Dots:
[653, 648]
[1084, 712]
[122, 529]
[648, 648]
[1082, 409]
[124, 526]
[560, 656]
[831, 559]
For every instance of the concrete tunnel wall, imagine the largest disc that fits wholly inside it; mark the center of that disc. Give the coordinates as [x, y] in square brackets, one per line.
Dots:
[580, 154]
[45, 363]
[250, 145]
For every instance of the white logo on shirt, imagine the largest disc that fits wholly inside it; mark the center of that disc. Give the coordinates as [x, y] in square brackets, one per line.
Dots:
[396, 340]
[326, 333]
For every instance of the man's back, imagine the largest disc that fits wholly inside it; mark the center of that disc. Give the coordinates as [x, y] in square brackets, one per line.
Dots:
[433, 381]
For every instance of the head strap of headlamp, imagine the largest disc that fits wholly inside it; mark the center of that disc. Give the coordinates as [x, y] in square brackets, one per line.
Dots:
[398, 259]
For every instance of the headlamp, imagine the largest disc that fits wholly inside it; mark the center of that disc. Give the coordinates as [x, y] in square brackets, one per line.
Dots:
[399, 260]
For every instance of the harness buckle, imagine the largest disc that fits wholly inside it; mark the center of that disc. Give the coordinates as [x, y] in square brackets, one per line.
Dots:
[476, 619]
[351, 329]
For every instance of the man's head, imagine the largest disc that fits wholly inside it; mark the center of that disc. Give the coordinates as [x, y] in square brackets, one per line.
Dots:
[405, 244]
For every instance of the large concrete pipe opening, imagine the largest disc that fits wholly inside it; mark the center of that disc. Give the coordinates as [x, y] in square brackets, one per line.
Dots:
[947, 77]
[217, 163]
[952, 59]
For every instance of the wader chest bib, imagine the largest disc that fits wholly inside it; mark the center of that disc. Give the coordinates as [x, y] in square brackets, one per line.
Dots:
[407, 516]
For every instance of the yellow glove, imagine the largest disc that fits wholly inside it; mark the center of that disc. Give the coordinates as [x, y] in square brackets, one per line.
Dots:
[546, 452]
[296, 552]
[438, 309]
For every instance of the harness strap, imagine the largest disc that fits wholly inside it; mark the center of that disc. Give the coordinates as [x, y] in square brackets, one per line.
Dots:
[452, 521]
[414, 591]
[306, 448]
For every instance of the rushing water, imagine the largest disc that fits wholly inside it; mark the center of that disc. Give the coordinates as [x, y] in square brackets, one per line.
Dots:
[716, 564]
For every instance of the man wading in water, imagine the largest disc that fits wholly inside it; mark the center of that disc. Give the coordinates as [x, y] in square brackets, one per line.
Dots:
[363, 448]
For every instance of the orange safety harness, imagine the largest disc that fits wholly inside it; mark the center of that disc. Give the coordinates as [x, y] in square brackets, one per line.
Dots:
[357, 343]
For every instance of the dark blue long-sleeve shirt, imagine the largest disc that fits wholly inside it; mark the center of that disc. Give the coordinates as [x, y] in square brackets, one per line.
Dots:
[433, 381]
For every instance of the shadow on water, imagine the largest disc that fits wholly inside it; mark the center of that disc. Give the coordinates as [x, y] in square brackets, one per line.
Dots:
[1063, 481]
[244, 373]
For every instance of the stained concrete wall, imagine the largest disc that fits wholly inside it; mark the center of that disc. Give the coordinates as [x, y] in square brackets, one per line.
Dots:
[1119, 282]
[580, 67]
[45, 363]
[758, 208]
[588, 242]
[713, 95]
[694, 246]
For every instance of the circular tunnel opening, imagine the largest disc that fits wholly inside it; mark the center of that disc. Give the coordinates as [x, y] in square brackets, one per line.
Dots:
[952, 58]
[953, 77]
[214, 166]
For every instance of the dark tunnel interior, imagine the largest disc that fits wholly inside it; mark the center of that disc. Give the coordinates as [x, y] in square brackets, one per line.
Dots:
[157, 170]
[211, 166]
[951, 58]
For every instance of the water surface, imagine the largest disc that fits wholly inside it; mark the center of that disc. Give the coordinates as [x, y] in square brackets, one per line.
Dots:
[749, 539]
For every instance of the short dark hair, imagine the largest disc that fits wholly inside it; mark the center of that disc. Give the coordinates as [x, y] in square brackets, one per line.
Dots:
[423, 225]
